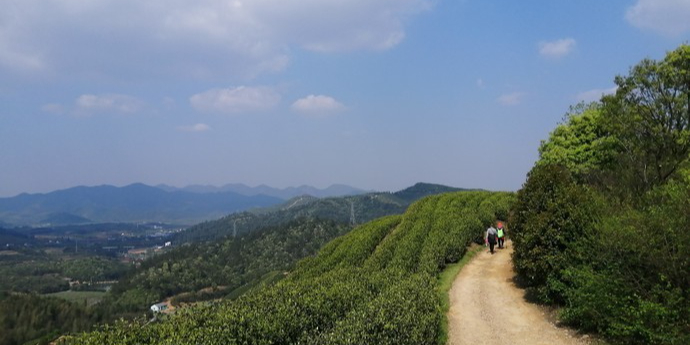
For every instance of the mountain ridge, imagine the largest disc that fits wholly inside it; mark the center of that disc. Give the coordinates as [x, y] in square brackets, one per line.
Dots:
[132, 203]
[282, 193]
[354, 209]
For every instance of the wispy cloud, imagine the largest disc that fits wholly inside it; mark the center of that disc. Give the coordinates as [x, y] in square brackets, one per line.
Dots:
[510, 99]
[317, 105]
[199, 127]
[556, 49]
[237, 37]
[241, 99]
[595, 94]
[124, 104]
[665, 17]
[92, 104]
[15, 58]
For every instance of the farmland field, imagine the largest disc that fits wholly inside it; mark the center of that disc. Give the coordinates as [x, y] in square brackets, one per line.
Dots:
[88, 297]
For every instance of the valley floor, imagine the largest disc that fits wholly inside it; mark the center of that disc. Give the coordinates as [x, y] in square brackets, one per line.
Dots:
[487, 308]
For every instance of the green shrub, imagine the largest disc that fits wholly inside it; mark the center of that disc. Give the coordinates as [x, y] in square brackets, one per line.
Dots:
[551, 215]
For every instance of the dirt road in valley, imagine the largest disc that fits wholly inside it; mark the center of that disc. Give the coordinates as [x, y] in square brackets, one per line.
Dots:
[487, 308]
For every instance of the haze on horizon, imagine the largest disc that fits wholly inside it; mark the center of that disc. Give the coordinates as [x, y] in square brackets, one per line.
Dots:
[376, 94]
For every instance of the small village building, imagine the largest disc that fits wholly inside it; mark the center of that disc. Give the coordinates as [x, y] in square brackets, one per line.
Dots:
[159, 307]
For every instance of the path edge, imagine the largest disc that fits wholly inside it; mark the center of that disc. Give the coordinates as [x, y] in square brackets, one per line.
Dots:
[444, 284]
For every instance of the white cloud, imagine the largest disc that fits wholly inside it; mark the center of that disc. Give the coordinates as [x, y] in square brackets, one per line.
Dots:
[236, 100]
[557, 49]
[317, 105]
[15, 59]
[206, 39]
[510, 99]
[595, 94]
[199, 127]
[90, 104]
[107, 103]
[666, 17]
[14, 53]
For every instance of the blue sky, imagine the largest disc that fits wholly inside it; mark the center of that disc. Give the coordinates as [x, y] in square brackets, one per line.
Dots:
[378, 94]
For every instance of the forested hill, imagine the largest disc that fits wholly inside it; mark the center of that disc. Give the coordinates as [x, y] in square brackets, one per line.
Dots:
[230, 266]
[373, 285]
[355, 209]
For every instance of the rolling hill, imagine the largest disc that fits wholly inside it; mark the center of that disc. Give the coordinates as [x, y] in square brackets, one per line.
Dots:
[374, 285]
[354, 210]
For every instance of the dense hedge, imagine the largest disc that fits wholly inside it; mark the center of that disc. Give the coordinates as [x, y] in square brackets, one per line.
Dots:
[551, 216]
[601, 226]
[375, 285]
[616, 270]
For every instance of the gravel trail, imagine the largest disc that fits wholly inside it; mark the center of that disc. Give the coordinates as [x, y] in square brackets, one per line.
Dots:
[487, 308]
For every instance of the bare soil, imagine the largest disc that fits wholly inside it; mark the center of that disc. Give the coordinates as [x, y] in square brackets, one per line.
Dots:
[486, 307]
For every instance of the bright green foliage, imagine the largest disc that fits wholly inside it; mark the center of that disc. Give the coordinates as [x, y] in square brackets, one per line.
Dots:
[650, 117]
[374, 285]
[580, 144]
[610, 241]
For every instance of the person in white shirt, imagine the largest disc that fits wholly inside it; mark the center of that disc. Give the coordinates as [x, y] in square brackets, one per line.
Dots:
[490, 238]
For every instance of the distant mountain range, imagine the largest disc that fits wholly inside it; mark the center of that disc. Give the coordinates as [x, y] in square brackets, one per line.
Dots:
[142, 203]
[285, 193]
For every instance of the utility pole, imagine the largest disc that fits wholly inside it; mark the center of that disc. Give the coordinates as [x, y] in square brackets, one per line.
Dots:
[353, 221]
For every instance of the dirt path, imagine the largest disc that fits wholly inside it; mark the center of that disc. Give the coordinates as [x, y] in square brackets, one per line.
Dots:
[505, 317]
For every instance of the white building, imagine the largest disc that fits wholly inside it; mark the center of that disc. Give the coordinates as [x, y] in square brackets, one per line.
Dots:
[159, 307]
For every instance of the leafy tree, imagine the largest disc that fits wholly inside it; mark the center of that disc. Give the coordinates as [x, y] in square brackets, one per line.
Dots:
[604, 231]
[650, 117]
[580, 143]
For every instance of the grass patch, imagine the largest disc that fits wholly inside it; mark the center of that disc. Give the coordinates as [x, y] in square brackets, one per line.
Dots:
[269, 278]
[445, 282]
[80, 297]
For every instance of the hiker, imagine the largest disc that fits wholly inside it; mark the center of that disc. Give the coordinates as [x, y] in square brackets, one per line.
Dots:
[500, 233]
[490, 238]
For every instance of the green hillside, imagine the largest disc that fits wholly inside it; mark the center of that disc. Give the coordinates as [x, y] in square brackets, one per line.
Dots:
[230, 264]
[357, 209]
[374, 285]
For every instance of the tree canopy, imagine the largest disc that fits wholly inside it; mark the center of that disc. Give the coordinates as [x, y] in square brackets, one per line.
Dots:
[649, 115]
[600, 226]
